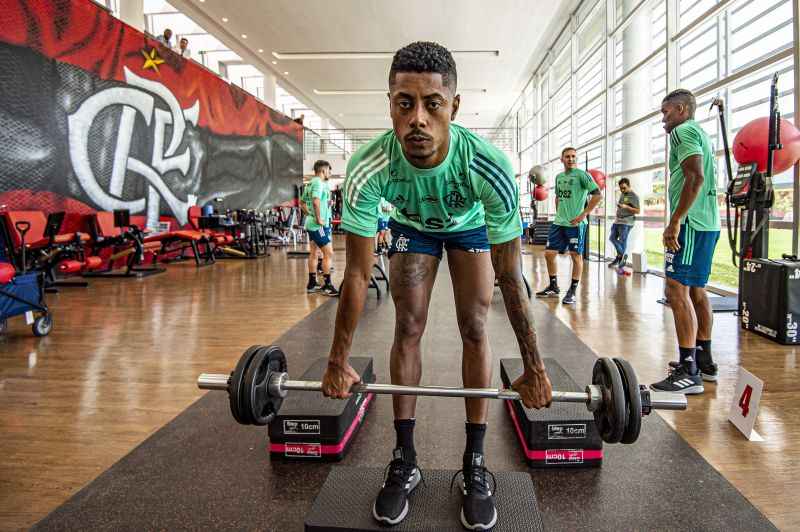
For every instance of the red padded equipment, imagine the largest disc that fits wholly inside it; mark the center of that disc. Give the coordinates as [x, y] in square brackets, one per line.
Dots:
[70, 266]
[92, 263]
[7, 272]
[539, 193]
[34, 238]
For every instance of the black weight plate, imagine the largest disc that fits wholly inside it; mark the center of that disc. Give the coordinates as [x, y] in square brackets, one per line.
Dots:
[633, 401]
[235, 386]
[262, 407]
[611, 416]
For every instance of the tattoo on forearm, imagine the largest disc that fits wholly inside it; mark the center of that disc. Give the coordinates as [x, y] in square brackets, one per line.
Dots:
[505, 259]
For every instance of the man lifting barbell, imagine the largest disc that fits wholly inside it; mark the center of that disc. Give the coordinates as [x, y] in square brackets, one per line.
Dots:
[452, 191]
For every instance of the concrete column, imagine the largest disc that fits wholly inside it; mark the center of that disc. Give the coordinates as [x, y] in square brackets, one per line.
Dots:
[636, 103]
[268, 95]
[131, 12]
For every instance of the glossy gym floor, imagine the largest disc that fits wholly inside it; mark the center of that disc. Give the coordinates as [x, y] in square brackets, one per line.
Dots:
[73, 405]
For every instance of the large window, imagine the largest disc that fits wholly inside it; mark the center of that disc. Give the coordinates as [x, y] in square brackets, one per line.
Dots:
[601, 86]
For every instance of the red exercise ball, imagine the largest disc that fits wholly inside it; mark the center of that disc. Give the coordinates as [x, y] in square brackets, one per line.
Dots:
[599, 177]
[750, 145]
[539, 193]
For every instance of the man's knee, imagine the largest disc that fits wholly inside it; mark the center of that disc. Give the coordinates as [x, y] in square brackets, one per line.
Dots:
[409, 328]
[676, 291]
[473, 328]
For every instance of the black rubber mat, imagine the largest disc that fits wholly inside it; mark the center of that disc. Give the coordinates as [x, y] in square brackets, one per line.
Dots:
[345, 503]
[202, 471]
[724, 303]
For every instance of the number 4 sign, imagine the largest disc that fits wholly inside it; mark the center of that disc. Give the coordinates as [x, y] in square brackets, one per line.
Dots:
[745, 404]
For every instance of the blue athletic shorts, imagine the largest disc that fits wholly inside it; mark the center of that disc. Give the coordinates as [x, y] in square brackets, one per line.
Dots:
[691, 265]
[562, 239]
[406, 239]
[321, 237]
[383, 225]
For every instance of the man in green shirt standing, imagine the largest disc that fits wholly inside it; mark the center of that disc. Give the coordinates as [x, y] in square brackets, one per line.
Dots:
[317, 196]
[453, 193]
[690, 239]
[567, 232]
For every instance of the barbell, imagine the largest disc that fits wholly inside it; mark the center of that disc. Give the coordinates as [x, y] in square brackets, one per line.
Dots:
[259, 383]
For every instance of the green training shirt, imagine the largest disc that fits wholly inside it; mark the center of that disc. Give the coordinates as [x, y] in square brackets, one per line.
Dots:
[474, 186]
[572, 188]
[317, 188]
[686, 140]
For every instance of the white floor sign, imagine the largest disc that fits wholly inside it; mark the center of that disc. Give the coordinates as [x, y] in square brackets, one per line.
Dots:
[744, 408]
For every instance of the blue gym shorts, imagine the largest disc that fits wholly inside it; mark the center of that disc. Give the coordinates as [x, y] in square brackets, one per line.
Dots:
[406, 239]
[562, 238]
[691, 265]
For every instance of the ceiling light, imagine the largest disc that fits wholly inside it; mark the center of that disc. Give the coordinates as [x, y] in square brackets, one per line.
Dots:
[341, 114]
[369, 55]
[202, 1]
[368, 92]
[261, 50]
[274, 62]
[244, 35]
[285, 73]
[224, 19]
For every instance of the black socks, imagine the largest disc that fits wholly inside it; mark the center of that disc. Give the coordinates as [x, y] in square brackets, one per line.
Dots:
[405, 435]
[475, 434]
[574, 285]
[312, 278]
[553, 281]
[327, 277]
[703, 353]
[688, 359]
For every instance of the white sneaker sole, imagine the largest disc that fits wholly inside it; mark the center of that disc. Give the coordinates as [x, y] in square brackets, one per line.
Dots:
[545, 296]
[388, 520]
[708, 378]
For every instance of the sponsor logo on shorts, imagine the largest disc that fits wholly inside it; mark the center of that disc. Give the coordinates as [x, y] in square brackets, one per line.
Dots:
[573, 241]
[795, 274]
[301, 426]
[563, 456]
[401, 243]
[430, 199]
[303, 450]
[566, 431]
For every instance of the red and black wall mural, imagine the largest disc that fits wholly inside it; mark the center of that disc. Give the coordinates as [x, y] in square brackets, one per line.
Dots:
[95, 115]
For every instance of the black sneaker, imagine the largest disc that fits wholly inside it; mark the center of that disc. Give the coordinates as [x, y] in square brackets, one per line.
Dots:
[329, 290]
[679, 381]
[311, 288]
[708, 372]
[550, 291]
[614, 262]
[401, 477]
[477, 505]
[569, 298]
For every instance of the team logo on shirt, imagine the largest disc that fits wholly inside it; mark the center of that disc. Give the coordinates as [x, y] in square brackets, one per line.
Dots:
[454, 200]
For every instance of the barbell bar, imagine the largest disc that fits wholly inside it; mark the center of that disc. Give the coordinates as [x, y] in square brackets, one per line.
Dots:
[279, 383]
[259, 383]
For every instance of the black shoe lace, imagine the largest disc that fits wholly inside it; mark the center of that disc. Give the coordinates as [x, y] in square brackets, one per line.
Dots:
[397, 473]
[475, 480]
